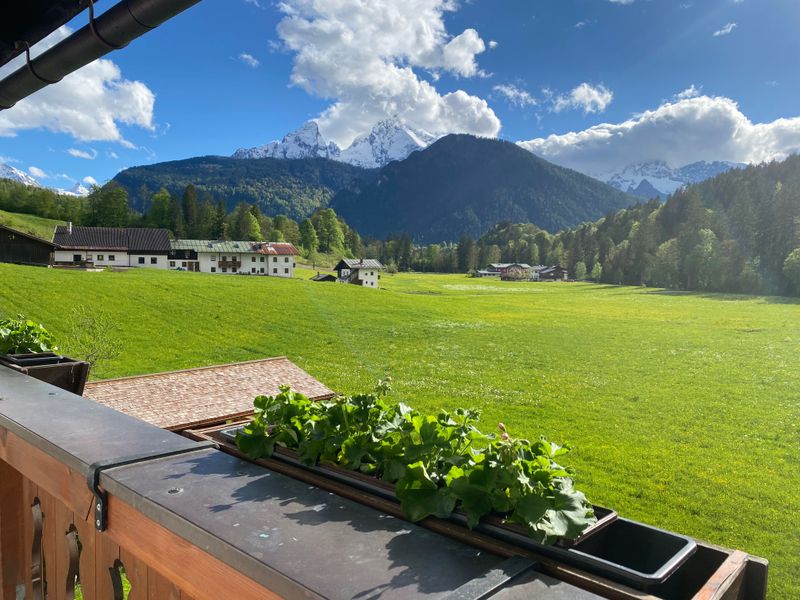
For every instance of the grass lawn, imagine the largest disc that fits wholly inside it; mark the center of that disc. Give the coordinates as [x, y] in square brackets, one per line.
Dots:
[683, 409]
[37, 226]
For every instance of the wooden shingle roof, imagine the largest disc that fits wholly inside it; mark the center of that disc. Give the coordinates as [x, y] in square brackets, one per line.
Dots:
[126, 239]
[178, 400]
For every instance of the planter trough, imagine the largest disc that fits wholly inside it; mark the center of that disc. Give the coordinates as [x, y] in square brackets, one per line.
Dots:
[625, 551]
[61, 371]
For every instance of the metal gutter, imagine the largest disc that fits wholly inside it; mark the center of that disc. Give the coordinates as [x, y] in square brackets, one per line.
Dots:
[114, 29]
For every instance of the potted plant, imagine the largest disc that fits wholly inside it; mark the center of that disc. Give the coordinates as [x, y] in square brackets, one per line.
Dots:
[27, 347]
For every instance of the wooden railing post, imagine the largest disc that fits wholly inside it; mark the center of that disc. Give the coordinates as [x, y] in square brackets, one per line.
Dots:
[12, 551]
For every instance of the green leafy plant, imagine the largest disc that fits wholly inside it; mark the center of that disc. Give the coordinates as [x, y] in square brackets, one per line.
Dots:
[23, 336]
[438, 464]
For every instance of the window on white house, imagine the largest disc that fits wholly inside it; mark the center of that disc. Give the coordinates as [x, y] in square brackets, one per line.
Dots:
[224, 269]
[262, 269]
[262, 259]
[141, 260]
[286, 259]
[274, 259]
[213, 269]
[275, 271]
[252, 269]
[253, 259]
[183, 264]
[233, 270]
[213, 258]
[76, 258]
[172, 264]
[99, 257]
[153, 260]
[111, 257]
[286, 271]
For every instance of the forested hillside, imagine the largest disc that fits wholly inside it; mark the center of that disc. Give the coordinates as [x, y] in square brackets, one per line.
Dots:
[295, 188]
[737, 232]
[462, 184]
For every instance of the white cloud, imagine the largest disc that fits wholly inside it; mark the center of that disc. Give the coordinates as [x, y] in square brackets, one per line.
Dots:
[37, 173]
[586, 97]
[113, 155]
[249, 60]
[725, 30]
[89, 180]
[691, 92]
[515, 95]
[622, 1]
[255, 3]
[365, 57]
[90, 155]
[89, 104]
[679, 133]
[493, 44]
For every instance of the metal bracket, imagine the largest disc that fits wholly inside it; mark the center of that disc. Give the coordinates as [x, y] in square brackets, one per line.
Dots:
[101, 497]
[30, 66]
[97, 35]
[492, 581]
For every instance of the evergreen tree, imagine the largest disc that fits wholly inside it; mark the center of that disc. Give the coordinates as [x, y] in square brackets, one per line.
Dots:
[308, 236]
[191, 212]
[219, 224]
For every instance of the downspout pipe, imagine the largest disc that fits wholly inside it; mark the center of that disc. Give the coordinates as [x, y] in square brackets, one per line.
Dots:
[114, 29]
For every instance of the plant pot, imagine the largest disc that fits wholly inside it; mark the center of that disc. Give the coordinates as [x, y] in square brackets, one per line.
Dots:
[629, 552]
[60, 371]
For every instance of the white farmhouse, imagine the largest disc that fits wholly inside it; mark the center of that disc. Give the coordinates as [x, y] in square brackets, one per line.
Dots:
[273, 259]
[111, 247]
[359, 271]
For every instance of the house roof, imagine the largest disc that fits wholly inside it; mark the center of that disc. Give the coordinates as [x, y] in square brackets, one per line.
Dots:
[507, 265]
[125, 239]
[323, 277]
[234, 246]
[181, 399]
[359, 263]
[27, 235]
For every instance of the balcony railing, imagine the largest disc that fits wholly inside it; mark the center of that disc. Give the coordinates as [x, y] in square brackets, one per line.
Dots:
[230, 264]
[181, 520]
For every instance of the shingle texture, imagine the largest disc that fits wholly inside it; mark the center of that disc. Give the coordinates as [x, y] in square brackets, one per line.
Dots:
[130, 239]
[234, 247]
[359, 263]
[181, 399]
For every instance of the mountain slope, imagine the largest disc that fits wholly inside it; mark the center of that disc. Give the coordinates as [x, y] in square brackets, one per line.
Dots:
[293, 187]
[656, 179]
[388, 141]
[9, 172]
[463, 184]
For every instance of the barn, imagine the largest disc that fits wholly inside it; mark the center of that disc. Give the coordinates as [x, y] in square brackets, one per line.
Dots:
[23, 248]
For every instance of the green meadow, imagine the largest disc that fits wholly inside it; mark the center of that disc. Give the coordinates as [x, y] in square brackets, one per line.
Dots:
[683, 410]
[38, 226]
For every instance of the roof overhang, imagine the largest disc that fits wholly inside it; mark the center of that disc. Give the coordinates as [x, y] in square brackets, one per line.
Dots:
[23, 23]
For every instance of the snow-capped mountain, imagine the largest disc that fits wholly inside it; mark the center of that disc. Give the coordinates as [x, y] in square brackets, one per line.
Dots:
[389, 140]
[657, 179]
[76, 190]
[306, 142]
[9, 172]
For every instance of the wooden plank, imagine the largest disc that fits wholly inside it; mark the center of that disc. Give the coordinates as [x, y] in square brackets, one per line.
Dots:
[161, 588]
[12, 551]
[106, 555]
[187, 566]
[29, 491]
[63, 520]
[46, 472]
[86, 572]
[726, 582]
[49, 543]
[136, 572]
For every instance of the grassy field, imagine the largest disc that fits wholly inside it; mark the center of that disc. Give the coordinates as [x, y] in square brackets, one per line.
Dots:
[683, 409]
[37, 226]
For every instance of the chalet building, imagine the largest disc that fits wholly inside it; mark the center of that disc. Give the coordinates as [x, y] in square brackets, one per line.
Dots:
[111, 246]
[555, 273]
[22, 248]
[359, 271]
[273, 259]
[515, 272]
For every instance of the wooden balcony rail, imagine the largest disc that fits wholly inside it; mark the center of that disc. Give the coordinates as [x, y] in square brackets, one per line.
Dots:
[186, 521]
[230, 264]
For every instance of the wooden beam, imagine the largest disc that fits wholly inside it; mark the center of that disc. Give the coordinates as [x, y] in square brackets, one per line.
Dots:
[188, 567]
[12, 551]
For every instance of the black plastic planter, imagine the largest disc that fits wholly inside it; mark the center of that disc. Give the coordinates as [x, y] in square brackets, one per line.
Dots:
[631, 553]
[60, 371]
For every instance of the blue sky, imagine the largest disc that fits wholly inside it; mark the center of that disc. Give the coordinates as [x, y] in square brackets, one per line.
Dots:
[591, 84]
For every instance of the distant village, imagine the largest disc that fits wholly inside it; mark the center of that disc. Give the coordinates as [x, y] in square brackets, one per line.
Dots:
[129, 247]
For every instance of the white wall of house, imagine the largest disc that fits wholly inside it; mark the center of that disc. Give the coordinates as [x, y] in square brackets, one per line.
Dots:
[151, 261]
[368, 277]
[252, 264]
[112, 258]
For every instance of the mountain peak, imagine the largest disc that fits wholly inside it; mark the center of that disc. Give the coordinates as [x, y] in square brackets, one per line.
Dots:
[304, 142]
[656, 178]
[9, 172]
[389, 139]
